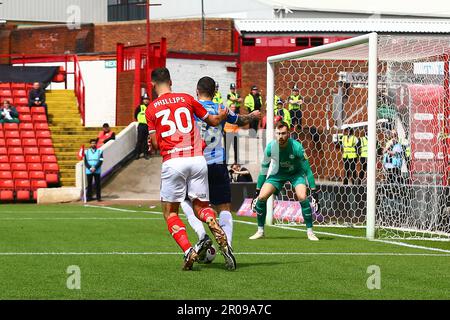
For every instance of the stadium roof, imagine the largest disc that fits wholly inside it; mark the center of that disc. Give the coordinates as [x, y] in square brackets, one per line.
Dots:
[343, 25]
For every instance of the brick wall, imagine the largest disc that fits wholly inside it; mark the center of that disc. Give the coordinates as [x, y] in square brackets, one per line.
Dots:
[125, 104]
[181, 35]
[4, 45]
[52, 40]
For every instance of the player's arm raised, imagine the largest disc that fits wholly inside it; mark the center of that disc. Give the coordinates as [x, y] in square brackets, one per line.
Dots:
[212, 120]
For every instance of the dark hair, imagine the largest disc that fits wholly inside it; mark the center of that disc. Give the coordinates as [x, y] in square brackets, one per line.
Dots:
[161, 75]
[206, 86]
[105, 125]
[281, 124]
[93, 140]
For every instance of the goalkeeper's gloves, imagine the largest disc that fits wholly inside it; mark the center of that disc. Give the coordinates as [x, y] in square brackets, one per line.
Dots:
[255, 199]
[315, 200]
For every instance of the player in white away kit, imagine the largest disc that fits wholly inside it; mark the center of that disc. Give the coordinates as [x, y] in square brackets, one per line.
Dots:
[170, 120]
[218, 176]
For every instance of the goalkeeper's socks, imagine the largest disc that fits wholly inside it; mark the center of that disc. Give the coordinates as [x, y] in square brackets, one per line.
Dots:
[261, 210]
[306, 212]
[309, 230]
[178, 231]
[226, 222]
[261, 229]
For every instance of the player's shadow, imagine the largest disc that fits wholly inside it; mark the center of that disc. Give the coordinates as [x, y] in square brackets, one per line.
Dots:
[243, 265]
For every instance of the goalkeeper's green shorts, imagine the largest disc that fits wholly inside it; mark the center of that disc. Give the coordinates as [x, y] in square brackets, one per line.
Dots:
[279, 181]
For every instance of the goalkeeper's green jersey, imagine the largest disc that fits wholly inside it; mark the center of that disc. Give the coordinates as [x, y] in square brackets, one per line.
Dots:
[287, 162]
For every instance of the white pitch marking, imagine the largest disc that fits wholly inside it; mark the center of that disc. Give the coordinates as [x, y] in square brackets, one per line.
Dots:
[319, 232]
[237, 253]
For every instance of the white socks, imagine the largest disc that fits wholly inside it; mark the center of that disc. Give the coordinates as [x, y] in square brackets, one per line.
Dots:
[226, 222]
[194, 222]
[261, 229]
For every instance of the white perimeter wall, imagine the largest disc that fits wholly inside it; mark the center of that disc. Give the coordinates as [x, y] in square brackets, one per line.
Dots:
[185, 74]
[100, 83]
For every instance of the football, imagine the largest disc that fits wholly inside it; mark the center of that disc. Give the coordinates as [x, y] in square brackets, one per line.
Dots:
[210, 255]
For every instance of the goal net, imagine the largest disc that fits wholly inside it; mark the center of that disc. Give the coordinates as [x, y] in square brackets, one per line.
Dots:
[373, 115]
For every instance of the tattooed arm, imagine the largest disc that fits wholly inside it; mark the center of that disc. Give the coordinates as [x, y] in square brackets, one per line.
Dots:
[247, 118]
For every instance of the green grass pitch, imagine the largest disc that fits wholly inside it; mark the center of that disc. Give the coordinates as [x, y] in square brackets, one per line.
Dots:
[129, 254]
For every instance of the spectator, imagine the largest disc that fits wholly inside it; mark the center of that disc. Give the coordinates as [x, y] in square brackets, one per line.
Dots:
[363, 154]
[217, 96]
[349, 155]
[295, 107]
[8, 113]
[240, 174]
[37, 92]
[281, 114]
[142, 139]
[393, 159]
[233, 98]
[105, 135]
[93, 161]
[252, 102]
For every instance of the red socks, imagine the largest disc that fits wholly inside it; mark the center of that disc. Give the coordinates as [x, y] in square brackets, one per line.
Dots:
[206, 213]
[178, 231]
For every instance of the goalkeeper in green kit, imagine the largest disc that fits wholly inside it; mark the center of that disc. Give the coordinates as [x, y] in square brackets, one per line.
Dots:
[284, 160]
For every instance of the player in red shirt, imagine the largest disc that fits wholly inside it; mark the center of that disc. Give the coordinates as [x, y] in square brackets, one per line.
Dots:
[184, 171]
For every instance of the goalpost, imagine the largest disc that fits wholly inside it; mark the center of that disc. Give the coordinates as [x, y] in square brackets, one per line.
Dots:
[394, 90]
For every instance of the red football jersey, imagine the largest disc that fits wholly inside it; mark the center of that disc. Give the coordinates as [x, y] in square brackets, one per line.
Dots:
[171, 116]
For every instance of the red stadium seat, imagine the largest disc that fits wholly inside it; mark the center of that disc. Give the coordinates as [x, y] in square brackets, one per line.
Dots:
[10, 126]
[23, 110]
[26, 126]
[6, 190]
[18, 86]
[3, 151]
[13, 142]
[5, 93]
[41, 126]
[49, 159]
[5, 167]
[4, 159]
[43, 134]
[13, 134]
[20, 175]
[27, 135]
[20, 93]
[37, 184]
[45, 143]
[23, 188]
[5, 175]
[21, 101]
[5, 86]
[31, 151]
[33, 159]
[29, 143]
[20, 166]
[28, 86]
[16, 159]
[37, 175]
[2, 135]
[35, 167]
[2, 142]
[39, 118]
[26, 118]
[51, 167]
[37, 110]
[52, 178]
[48, 151]
[15, 151]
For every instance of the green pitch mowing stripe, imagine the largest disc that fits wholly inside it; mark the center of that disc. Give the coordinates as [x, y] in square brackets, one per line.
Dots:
[128, 254]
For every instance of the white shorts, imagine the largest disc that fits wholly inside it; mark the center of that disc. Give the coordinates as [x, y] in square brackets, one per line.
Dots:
[181, 177]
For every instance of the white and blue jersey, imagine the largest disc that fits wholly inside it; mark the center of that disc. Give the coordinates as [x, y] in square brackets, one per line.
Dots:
[213, 136]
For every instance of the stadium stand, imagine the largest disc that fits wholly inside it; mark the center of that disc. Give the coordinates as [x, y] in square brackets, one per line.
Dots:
[27, 155]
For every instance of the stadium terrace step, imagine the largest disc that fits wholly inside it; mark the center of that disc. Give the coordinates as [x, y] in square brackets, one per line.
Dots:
[67, 132]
